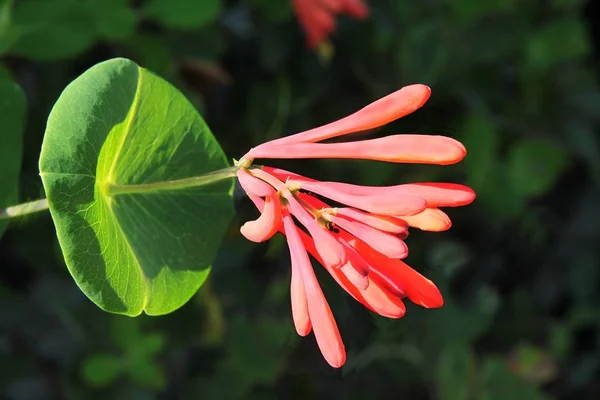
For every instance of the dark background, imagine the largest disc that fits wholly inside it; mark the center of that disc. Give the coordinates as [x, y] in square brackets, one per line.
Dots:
[514, 80]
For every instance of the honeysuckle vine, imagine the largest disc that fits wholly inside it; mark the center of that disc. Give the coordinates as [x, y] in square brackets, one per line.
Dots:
[139, 227]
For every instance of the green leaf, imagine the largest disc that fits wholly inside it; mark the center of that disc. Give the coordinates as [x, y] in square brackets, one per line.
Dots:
[456, 373]
[183, 14]
[12, 115]
[49, 30]
[501, 384]
[114, 18]
[467, 10]
[147, 373]
[558, 41]
[125, 332]
[154, 52]
[481, 138]
[151, 344]
[534, 166]
[101, 369]
[533, 364]
[273, 10]
[133, 248]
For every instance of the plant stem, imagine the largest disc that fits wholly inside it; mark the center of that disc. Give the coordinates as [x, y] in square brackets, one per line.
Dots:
[196, 181]
[111, 190]
[23, 209]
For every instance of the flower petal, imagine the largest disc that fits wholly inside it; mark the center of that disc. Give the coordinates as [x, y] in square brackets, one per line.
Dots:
[430, 219]
[269, 220]
[330, 249]
[435, 194]
[439, 194]
[356, 269]
[377, 296]
[421, 149]
[297, 291]
[385, 110]
[401, 277]
[324, 325]
[253, 185]
[267, 224]
[382, 242]
[383, 223]
[356, 8]
[385, 205]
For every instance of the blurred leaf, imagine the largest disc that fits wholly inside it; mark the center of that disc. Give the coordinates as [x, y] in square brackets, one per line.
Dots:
[154, 53]
[423, 54]
[115, 20]
[481, 139]
[147, 373]
[456, 372]
[125, 332]
[5, 73]
[467, 10]
[581, 134]
[560, 341]
[534, 166]
[7, 37]
[273, 10]
[50, 30]
[148, 250]
[12, 115]
[500, 384]
[454, 325]
[257, 350]
[448, 256]
[101, 369]
[127, 336]
[151, 344]
[183, 14]
[557, 41]
[567, 4]
[533, 364]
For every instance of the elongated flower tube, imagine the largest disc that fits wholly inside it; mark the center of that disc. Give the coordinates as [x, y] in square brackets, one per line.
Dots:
[383, 111]
[357, 233]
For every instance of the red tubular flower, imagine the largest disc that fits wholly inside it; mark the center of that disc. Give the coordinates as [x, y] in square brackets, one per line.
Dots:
[317, 17]
[361, 243]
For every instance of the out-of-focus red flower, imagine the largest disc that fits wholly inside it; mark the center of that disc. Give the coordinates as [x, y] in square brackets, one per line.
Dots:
[361, 243]
[317, 17]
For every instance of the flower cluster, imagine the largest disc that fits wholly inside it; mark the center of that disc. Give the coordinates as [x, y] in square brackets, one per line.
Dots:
[360, 243]
[318, 16]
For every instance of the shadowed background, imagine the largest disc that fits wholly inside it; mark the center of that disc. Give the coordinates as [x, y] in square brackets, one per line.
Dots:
[514, 80]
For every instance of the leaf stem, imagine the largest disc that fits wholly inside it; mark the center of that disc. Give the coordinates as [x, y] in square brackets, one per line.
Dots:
[195, 181]
[23, 209]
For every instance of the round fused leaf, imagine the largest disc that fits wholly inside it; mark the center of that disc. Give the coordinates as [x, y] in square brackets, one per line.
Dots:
[133, 250]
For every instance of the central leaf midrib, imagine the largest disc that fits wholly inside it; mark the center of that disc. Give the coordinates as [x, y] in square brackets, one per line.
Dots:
[110, 180]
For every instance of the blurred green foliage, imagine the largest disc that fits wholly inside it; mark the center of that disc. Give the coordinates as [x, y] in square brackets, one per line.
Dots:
[515, 80]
